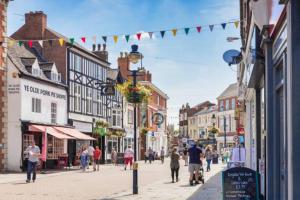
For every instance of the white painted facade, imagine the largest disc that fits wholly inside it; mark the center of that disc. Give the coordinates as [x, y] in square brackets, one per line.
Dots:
[20, 94]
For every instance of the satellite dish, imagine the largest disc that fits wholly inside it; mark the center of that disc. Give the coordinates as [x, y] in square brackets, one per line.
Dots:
[232, 57]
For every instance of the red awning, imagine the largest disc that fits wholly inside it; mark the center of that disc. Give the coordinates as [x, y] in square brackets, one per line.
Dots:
[74, 133]
[50, 130]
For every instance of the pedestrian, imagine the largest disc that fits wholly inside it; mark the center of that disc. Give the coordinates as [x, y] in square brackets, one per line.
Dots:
[128, 157]
[84, 158]
[33, 152]
[162, 155]
[208, 156]
[114, 156]
[97, 158]
[226, 155]
[146, 154]
[185, 156]
[90, 157]
[174, 165]
[195, 164]
[151, 155]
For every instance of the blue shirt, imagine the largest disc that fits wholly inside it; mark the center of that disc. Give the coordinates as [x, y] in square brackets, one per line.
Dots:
[194, 153]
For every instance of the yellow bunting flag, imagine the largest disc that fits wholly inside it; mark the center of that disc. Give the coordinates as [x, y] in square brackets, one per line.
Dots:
[115, 38]
[236, 24]
[174, 31]
[11, 43]
[61, 41]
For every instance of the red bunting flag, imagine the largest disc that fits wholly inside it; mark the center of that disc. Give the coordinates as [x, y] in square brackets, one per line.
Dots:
[30, 43]
[138, 35]
[83, 39]
[199, 29]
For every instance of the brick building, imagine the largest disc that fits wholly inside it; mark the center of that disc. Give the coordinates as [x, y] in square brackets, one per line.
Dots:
[157, 136]
[3, 86]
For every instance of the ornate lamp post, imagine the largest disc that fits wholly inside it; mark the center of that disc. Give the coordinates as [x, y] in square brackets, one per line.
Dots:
[134, 57]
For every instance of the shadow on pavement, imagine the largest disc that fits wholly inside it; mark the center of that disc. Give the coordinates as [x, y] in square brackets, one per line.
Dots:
[211, 187]
[116, 197]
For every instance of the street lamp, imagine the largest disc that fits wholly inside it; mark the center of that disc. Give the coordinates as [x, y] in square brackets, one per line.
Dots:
[134, 58]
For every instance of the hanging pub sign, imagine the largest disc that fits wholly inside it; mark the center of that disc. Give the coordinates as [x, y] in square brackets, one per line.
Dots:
[158, 118]
[240, 183]
[108, 90]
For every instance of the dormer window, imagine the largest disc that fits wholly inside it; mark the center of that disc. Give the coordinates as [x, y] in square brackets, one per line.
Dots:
[36, 72]
[55, 77]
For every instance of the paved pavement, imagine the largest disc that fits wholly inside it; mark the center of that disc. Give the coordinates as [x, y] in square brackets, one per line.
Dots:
[111, 183]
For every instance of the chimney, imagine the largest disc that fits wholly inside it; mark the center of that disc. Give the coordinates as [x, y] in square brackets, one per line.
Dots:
[35, 24]
[124, 65]
[102, 54]
[149, 77]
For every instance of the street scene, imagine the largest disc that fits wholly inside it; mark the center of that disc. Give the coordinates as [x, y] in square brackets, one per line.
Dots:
[160, 99]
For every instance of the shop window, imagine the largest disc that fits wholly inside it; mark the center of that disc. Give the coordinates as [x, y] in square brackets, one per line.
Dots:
[27, 139]
[36, 105]
[53, 113]
[55, 147]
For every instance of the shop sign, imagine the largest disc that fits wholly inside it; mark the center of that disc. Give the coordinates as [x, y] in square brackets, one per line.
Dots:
[240, 183]
[13, 88]
[108, 90]
[158, 118]
[44, 92]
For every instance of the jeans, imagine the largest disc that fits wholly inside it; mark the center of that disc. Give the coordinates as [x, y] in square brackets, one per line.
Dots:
[173, 172]
[208, 164]
[31, 168]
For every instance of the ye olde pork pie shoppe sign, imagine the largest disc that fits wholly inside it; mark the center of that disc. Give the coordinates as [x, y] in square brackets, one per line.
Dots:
[240, 183]
[44, 92]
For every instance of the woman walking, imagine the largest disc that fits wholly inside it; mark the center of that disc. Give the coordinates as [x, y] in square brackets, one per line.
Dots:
[128, 157]
[174, 164]
[114, 156]
[84, 158]
[208, 156]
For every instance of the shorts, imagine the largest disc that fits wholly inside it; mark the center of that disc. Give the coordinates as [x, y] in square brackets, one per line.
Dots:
[128, 161]
[194, 167]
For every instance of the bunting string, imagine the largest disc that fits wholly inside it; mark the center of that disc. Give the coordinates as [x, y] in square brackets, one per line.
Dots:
[116, 37]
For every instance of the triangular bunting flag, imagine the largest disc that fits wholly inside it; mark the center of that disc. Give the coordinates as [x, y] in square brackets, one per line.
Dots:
[20, 43]
[83, 39]
[116, 38]
[61, 41]
[162, 33]
[127, 37]
[30, 43]
[11, 43]
[211, 27]
[223, 25]
[138, 35]
[94, 38]
[104, 38]
[50, 42]
[174, 31]
[186, 30]
[150, 34]
[41, 43]
[72, 40]
[236, 24]
[198, 29]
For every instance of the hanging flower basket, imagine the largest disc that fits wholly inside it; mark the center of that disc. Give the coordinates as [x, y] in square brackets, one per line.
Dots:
[134, 94]
[100, 128]
[116, 133]
[214, 130]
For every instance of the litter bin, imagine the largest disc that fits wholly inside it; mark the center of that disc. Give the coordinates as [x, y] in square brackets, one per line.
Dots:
[215, 159]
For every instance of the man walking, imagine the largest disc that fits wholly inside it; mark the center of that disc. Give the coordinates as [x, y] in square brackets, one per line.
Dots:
[97, 157]
[195, 163]
[90, 155]
[33, 152]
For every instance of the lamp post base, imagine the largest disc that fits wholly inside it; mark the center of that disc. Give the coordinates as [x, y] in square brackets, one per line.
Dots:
[135, 181]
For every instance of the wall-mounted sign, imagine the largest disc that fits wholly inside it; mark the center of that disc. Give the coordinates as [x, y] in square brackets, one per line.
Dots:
[108, 90]
[158, 118]
[44, 92]
[13, 88]
[240, 183]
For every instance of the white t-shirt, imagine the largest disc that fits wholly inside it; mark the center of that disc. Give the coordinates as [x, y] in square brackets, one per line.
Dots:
[91, 150]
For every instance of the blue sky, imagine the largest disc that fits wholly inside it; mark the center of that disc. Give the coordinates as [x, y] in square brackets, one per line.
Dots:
[187, 68]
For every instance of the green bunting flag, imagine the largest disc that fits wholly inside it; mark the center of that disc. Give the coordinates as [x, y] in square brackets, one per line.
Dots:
[127, 37]
[162, 33]
[104, 38]
[223, 25]
[211, 27]
[186, 30]
[72, 40]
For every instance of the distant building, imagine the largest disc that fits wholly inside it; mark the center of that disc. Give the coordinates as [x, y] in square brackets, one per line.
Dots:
[226, 116]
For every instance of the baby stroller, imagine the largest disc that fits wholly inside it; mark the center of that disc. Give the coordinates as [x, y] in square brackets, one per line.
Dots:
[201, 175]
